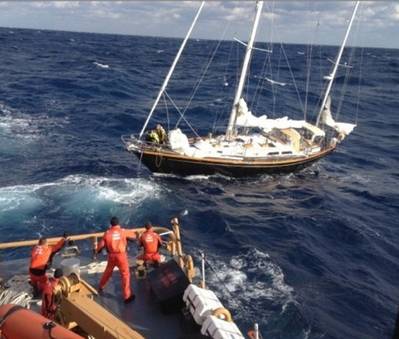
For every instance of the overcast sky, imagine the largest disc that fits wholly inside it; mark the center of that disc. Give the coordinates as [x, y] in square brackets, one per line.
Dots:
[323, 22]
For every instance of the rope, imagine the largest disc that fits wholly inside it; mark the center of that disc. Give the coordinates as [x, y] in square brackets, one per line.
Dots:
[18, 291]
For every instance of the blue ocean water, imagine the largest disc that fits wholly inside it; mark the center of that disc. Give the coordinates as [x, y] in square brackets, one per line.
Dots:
[307, 255]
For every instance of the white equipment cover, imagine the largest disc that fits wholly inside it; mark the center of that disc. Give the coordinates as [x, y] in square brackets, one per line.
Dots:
[200, 302]
[179, 142]
[327, 119]
[220, 329]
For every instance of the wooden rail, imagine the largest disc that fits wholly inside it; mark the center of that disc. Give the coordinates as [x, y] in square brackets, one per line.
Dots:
[93, 236]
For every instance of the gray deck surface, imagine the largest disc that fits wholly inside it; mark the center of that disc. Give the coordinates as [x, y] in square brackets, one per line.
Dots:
[143, 314]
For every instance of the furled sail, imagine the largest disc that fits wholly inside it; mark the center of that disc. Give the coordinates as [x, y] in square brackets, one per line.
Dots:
[327, 119]
[245, 118]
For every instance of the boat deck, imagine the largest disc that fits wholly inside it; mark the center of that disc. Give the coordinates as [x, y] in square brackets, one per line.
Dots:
[144, 314]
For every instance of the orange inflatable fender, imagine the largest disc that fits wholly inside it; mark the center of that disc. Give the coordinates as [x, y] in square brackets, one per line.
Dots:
[17, 322]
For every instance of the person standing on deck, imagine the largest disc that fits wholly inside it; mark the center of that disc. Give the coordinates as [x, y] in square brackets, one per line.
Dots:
[151, 242]
[41, 257]
[115, 242]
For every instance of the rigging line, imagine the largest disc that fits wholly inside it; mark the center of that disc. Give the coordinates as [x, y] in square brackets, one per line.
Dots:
[348, 70]
[293, 78]
[178, 110]
[309, 65]
[259, 86]
[167, 111]
[359, 85]
[344, 86]
[276, 89]
[172, 68]
[261, 82]
[223, 111]
[203, 74]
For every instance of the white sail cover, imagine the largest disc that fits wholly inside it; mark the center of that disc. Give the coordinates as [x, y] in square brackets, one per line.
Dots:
[327, 119]
[245, 118]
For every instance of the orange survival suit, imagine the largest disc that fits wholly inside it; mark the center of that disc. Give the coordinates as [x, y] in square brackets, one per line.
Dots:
[151, 241]
[115, 242]
[49, 306]
[40, 257]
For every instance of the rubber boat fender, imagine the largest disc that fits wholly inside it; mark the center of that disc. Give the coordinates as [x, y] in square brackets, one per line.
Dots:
[222, 313]
[17, 322]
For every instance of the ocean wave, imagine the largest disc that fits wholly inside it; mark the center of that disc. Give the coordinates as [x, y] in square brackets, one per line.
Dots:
[78, 190]
[247, 281]
[22, 126]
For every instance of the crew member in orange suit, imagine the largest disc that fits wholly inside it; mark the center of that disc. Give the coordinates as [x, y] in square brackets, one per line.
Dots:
[41, 257]
[49, 306]
[115, 242]
[151, 242]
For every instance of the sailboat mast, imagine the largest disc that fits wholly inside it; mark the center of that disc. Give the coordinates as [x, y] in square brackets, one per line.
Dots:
[172, 68]
[337, 61]
[244, 70]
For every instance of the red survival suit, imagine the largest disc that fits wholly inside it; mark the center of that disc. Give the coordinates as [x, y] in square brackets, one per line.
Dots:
[49, 306]
[151, 241]
[115, 242]
[38, 263]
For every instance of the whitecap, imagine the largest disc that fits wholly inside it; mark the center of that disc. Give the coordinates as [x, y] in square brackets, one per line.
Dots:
[18, 125]
[248, 280]
[100, 65]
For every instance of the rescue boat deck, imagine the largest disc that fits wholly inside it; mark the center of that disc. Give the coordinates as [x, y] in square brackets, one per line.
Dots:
[144, 314]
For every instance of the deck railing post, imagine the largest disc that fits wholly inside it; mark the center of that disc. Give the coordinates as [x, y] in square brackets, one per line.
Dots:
[176, 231]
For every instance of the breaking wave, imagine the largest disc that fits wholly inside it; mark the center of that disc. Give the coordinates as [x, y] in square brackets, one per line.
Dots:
[120, 191]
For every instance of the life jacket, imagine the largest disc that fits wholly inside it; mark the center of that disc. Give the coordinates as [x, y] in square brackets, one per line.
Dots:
[40, 257]
[49, 305]
[115, 240]
[153, 136]
[150, 241]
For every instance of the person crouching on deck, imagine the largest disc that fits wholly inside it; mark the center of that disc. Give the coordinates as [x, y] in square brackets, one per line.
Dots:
[151, 242]
[115, 242]
[41, 257]
[157, 135]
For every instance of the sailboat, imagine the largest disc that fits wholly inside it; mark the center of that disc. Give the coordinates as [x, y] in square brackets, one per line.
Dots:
[251, 145]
